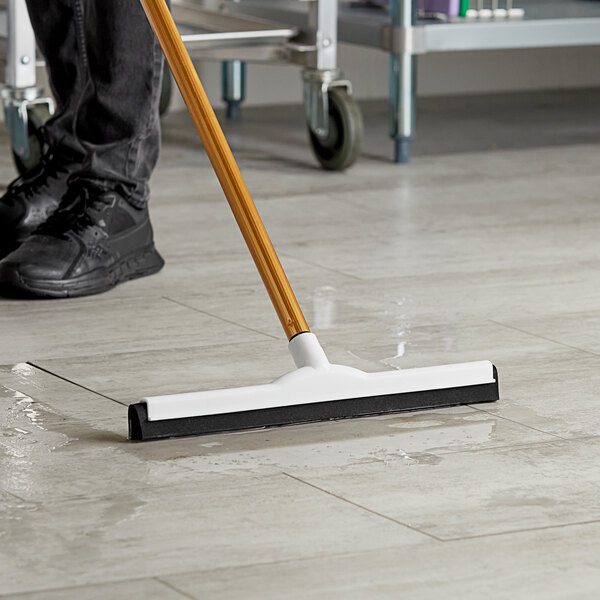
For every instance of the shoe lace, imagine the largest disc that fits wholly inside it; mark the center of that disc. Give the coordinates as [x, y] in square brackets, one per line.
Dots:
[52, 165]
[74, 212]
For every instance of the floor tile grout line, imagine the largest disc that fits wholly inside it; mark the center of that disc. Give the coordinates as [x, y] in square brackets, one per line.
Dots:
[373, 512]
[205, 312]
[505, 447]
[18, 497]
[488, 412]
[501, 447]
[541, 337]
[174, 588]
[91, 584]
[584, 437]
[440, 539]
[250, 565]
[270, 563]
[118, 353]
[79, 385]
[319, 266]
[515, 531]
[368, 208]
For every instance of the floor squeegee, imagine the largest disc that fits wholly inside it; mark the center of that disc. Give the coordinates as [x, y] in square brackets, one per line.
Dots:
[316, 390]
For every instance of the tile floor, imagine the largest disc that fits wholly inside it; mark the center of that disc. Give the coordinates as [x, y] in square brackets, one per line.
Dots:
[486, 246]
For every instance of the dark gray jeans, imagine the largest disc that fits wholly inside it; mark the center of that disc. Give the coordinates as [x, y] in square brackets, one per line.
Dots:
[105, 68]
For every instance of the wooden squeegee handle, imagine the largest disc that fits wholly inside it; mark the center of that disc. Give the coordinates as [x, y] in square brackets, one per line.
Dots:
[226, 169]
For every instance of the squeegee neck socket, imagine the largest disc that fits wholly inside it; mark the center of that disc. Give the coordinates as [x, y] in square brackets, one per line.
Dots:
[307, 352]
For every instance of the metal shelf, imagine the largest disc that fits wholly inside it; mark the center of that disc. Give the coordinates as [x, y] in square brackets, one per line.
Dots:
[548, 33]
[398, 31]
[204, 29]
[546, 24]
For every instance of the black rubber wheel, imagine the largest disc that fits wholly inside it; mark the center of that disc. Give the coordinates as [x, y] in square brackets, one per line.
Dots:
[340, 149]
[37, 115]
[166, 91]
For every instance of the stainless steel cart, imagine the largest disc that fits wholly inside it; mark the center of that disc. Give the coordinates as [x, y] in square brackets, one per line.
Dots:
[399, 31]
[211, 32]
[215, 30]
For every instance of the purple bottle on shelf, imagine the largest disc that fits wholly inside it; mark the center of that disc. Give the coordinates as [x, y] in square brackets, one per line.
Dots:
[446, 7]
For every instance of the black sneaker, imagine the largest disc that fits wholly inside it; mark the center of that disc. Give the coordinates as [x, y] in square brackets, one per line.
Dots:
[31, 199]
[95, 241]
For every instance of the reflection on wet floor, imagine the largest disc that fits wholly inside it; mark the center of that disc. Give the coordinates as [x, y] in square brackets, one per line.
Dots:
[408, 438]
[29, 429]
[324, 308]
[26, 439]
[418, 445]
[24, 429]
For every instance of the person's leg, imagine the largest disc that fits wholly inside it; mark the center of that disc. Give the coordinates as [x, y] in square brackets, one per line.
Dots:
[59, 33]
[118, 122]
[105, 68]
[101, 235]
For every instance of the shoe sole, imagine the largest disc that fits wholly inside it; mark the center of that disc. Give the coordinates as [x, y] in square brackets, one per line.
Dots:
[141, 264]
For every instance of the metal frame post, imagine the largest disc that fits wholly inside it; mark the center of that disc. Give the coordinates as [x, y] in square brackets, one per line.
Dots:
[322, 19]
[20, 76]
[233, 87]
[20, 60]
[323, 74]
[403, 71]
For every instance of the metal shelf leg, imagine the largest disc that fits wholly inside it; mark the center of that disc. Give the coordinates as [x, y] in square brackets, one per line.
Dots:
[402, 92]
[20, 76]
[233, 82]
[401, 150]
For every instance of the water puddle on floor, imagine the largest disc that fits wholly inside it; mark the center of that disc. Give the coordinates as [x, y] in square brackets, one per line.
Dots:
[23, 431]
[25, 442]
[427, 438]
[324, 308]
[394, 439]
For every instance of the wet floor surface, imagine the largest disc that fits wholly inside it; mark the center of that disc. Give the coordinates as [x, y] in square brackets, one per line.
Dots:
[483, 251]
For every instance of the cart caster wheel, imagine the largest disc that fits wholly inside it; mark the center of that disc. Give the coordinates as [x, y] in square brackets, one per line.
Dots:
[340, 149]
[37, 115]
[166, 92]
